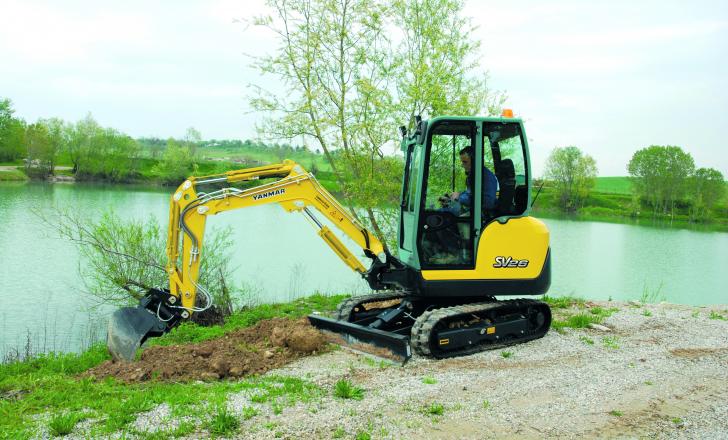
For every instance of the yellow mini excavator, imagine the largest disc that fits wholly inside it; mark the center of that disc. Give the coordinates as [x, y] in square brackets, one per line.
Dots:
[465, 237]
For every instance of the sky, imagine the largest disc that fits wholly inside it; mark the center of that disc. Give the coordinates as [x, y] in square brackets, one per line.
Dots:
[610, 77]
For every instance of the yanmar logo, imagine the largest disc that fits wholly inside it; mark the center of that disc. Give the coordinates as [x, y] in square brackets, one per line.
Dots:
[505, 262]
[269, 194]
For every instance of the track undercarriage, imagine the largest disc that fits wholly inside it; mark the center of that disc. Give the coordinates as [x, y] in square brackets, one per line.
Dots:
[436, 327]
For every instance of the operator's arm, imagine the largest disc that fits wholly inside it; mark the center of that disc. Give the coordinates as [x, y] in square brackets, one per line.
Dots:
[490, 187]
[296, 190]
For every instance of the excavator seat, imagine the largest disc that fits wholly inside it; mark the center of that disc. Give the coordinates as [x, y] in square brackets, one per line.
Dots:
[507, 180]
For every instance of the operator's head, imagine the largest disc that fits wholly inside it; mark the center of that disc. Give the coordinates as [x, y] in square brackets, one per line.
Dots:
[466, 158]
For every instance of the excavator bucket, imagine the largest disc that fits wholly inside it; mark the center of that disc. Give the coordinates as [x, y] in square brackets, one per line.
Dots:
[389, 346]
[129, 327]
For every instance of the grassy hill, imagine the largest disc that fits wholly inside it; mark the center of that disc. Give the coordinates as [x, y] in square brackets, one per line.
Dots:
[613, 185]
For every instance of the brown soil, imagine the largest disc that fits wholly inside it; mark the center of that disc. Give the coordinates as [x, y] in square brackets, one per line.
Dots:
[269, 344]
[694, 353]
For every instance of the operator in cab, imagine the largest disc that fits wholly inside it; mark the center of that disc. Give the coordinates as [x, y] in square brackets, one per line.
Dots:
[461, 203]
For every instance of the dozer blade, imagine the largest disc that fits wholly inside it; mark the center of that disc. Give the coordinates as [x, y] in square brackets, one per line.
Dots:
[387, 345]
[129, 327]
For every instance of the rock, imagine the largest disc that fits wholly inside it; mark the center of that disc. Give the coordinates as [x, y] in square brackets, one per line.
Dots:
[220, 366]
[209, 375]
[236, 371]
[600, 327]
[61, 178]
[13, 395]
[268, 354]
[278, 337]
[204, 352]
[305, 340]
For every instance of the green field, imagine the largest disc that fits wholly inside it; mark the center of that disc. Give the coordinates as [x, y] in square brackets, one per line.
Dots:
[245, 156]
[613, 185]
[12, 175]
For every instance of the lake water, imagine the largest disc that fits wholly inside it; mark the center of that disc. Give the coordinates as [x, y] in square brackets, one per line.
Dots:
[278, 257]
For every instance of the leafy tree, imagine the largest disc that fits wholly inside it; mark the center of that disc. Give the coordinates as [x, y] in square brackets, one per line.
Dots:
[40, 151]
[123, 152]
[660, 175]
[12, 133]
[192, 139]
[81, 138]
[58, 139]
[573, 174]
[177, 163]
[437, 62]
[707, 188]
[6, 112]
[101, 153]
[348, 85]
[155, 146]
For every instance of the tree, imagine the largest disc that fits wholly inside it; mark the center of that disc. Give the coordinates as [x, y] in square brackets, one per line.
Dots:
[348, 86]
[573, 174]
[192, 139]
[81, 137]
[177, 163]
[707, 188]
[58, 139]
[660, 176]
[12, 133]
[40, 151]
[100, 153]
[437, 62]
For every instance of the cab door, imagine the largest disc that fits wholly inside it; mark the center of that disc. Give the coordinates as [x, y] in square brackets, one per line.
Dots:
[445, 234]
[409, 203]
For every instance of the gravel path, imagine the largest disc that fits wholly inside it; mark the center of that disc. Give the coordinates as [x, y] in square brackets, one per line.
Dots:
[15, 167]
[658, 376]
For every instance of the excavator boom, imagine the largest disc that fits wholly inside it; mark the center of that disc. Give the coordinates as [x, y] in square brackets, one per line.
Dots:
[294, 189]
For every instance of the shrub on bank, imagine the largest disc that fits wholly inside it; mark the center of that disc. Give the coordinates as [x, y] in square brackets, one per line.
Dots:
[13, 176]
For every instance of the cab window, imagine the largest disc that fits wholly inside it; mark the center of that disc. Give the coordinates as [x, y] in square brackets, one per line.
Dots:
[503, 147]
[446, 224]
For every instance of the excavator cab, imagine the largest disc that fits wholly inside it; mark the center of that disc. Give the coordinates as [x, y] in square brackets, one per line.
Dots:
[465, 203]
[465, 236]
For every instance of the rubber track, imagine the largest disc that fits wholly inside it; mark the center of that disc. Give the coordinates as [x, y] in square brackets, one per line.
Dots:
[343, 310]
[422, 328]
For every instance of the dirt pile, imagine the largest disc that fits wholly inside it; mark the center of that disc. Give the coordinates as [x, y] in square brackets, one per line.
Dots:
[269, 344]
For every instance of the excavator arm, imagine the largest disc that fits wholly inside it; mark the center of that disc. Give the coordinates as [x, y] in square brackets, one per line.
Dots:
[295, 190]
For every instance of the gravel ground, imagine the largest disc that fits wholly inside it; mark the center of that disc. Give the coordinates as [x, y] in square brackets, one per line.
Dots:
[658, 376]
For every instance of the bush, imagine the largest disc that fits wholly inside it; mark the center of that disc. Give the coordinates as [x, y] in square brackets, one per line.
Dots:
[345, 390]
[177, 163]
[223, 423]
[63, 424]
[125, 258]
